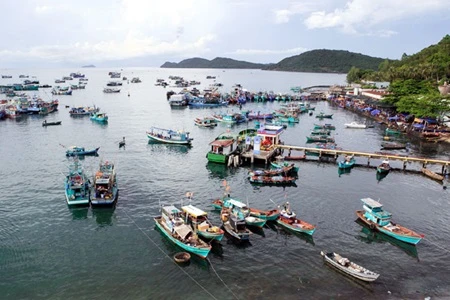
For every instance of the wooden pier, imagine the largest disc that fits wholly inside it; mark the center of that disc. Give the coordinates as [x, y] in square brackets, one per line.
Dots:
[382, 156]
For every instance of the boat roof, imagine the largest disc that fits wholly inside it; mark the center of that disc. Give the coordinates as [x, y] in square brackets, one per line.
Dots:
[236, 203]
[170, 209]
[102, 181]
[183, 230]
[372, 203]
[222, 143]
[193, 211]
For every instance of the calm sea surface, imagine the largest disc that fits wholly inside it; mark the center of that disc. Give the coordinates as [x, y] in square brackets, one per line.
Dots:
[50, 251]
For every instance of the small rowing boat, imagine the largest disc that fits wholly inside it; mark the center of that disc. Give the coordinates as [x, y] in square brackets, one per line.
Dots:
[345, 265]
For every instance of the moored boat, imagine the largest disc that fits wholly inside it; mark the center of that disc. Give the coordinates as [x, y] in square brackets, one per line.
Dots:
[376, 218]
[201, 224]
[169, 136]
[272, 180]
[234, 222]
[384, 167]
[45, 123]
[173, 227]
[345, 265]
[207, 122]
[77, 185]
[393, 145]
[325, 126]
[324, 116]
[268, 215]
[347, 163]
[289, 220]
[355, 125]
[99, 117]
[390, 131]
[105, 190]
[432, 175]
[78, 151]
[284, 170]
[319, 139]
[223, 149]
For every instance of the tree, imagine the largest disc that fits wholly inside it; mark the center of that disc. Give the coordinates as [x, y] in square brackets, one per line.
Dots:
[404, 56]
[354, 75]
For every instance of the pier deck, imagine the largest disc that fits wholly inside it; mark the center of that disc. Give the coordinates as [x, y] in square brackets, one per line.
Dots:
[405, 159]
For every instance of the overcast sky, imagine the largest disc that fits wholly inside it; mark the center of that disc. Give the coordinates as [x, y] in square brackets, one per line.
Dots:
[48, 33]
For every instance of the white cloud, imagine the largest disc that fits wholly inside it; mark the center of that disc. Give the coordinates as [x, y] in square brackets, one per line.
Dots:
[132, 46]
[42, 9]
[296, 8]
[359, 16]
[268, 51]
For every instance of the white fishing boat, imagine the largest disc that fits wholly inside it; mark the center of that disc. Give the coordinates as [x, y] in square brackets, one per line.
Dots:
[355, 125]
[345, 265]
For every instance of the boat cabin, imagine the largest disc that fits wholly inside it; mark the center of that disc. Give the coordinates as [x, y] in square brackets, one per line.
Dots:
[223, 147]
[195, 214]
[375, 213]
[172, 220]
[238, 208]
[270, 136]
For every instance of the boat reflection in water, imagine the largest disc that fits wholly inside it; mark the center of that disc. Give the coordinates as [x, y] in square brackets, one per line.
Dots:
[220, 171]
[104, 215]
[371, 236]
[381, 176]
[164, 147]
[344, 171]
[79, 213]
[289, 234]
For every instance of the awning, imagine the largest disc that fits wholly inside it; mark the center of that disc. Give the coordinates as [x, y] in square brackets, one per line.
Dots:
[222, 143]
[375, 112]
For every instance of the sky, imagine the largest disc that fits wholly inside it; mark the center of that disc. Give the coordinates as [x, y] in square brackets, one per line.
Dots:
[147, 33]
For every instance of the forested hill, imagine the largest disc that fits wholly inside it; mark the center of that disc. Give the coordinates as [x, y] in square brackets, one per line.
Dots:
[326, 61]
[216, 63]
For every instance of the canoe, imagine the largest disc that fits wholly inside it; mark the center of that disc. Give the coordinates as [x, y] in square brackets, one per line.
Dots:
[392, 145]
[432, 174]
[347, 163]
[45, 123]
[255, 221]
[278, 165]
[384, 167]
[323, 116]
[345, 265]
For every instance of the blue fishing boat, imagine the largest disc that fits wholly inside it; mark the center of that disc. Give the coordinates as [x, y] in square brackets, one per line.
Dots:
[384, 167]
[376, 218]
[99, 117]
[169, 136]
[322, 115]
[105, 190]
[79, 151]
[77, 185]
[200, 223]
[347, 163]
[234, 222]
[173, 228]
[325, 126]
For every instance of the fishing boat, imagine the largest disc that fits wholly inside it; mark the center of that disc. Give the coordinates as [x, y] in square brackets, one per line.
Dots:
[105, 190]
[169, 136]
[173, 228]
[325, 126]
[78, 151]
[347, 163]
[320, 132]
[200, 223]
[355, 125]
[390, 131]
[319, 139]
[288, 219]
[111, 90]
[345, 265]
[217, 204]
[223, 149]
[99, 117]
[280, 163]
[272, 172]
[393, 145]
[77, 185]
[324, 116]
[268, 215]
[206, 122]
[82, 111]
[376, 218]
[234, 222]
[45, 123]
[272, 180]
[241, 210]
[432, 175]
[384, 167]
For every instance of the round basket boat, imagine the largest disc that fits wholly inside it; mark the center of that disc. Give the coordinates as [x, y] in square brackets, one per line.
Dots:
[182, 257]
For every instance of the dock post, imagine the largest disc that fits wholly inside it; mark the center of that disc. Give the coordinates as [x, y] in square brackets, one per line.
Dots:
[368, 161]
[404, 165]
[252, 159]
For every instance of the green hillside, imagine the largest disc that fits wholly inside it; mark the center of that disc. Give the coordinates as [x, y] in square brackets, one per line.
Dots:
[216, 63]
[326, 61]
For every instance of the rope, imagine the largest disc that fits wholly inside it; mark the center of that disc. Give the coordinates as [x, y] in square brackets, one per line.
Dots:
[192, 278]
[440, 247]
[236, 297]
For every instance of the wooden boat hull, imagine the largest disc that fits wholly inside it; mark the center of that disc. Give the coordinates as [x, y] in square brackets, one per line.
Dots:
[106, 201]
[276, 165]
[73, 200]
[357, 272]
[217, 204]
[217, 236]
[346, 165]
[299, 157]
[410, 239]
[383, 170]
[272, 180]
[268, 215]
[241, 236]
[217, 158]
[298, 226]
[255, 221]
[201, 252]
[51, 123]
[432, 175]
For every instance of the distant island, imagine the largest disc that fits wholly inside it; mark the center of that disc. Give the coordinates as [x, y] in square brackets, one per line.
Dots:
[216, 63]
[316, 61]
[327, 61]
[88, 66]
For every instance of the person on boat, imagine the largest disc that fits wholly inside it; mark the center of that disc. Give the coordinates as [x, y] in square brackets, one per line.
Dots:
[287, 208]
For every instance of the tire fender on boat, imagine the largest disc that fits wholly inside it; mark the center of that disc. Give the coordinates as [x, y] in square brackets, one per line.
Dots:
[372, 226]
